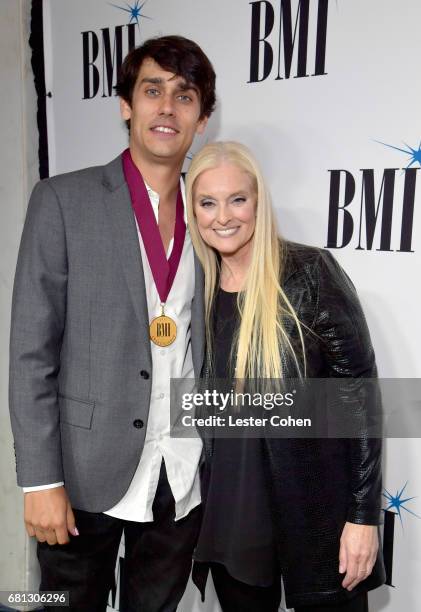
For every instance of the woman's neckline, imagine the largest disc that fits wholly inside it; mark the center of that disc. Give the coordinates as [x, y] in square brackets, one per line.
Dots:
[228, 292]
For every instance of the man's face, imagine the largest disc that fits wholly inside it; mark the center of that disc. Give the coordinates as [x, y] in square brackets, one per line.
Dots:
[164, 115]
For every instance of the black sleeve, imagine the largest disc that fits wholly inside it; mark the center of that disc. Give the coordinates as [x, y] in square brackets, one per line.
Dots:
[342, 329]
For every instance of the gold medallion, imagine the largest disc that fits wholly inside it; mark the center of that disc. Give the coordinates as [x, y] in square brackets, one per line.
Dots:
[163, 330]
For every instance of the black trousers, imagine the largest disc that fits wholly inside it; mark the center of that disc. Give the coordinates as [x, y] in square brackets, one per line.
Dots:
[356, 604]
[236, 596]
[157, 564]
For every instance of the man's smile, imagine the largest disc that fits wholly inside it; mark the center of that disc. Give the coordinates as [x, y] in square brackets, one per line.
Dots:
[164, 129]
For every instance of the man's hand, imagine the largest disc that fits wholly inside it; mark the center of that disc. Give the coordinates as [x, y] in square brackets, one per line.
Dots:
[49, 516]
[357, 553]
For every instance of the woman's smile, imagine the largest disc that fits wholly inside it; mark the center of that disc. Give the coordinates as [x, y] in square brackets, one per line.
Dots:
[225, 207]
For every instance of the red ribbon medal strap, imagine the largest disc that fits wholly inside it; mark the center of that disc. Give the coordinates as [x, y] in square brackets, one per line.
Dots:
[163, 270]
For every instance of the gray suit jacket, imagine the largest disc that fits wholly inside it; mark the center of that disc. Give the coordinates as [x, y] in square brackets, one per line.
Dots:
[80, 361]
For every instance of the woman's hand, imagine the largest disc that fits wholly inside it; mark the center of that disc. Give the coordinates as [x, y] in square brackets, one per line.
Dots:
[357, 553]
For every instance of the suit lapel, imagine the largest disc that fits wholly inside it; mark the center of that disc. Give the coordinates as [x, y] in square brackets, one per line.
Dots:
[120, 213]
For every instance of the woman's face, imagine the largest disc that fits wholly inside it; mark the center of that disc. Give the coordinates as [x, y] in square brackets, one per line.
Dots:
[224, 202]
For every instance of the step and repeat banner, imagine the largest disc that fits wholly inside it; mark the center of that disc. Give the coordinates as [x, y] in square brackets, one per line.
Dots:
[327, 95]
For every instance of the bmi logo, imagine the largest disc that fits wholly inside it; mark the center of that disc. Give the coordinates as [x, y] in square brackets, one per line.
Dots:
[396, 505]
[103, 51]
[283, 45]
[374, 210]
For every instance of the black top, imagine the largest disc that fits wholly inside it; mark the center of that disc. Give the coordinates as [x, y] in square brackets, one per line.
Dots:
[237, 524]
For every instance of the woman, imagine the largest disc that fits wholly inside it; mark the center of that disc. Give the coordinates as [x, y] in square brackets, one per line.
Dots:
[303, 509]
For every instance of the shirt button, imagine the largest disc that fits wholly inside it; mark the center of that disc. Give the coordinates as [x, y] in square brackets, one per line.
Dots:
[144, 374]
[161, 396]
[138, 423]
[162, 353]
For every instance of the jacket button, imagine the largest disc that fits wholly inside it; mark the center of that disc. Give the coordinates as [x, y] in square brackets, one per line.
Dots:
[138, 423]
[144, 374]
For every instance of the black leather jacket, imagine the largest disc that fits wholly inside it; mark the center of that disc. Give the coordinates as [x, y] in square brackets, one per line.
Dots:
[316, 485]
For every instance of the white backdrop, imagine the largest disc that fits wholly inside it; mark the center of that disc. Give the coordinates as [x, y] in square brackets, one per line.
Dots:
[307, 131]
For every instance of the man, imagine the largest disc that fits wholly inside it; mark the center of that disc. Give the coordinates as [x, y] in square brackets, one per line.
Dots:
[107, 308]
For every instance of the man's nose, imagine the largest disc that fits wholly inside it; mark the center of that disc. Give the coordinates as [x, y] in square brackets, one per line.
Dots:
[167, 106]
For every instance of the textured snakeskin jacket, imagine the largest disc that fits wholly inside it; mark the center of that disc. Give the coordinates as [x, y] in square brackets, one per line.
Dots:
[316, 485]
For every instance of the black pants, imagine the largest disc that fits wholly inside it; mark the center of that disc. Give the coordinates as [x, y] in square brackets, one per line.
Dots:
[236, 596]
[356, 604]
[157, 561]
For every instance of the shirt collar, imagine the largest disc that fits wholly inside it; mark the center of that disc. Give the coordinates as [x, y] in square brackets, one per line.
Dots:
[154, 198]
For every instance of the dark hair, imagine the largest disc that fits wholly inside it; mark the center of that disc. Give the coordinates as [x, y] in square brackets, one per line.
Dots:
[178, 55]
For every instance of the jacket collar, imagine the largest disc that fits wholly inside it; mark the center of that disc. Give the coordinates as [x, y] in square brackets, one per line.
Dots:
[291, 265]
[113, 176]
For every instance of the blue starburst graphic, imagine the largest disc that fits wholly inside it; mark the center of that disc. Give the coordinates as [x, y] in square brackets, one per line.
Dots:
[135, 11]
[397, 503]
[414, 154]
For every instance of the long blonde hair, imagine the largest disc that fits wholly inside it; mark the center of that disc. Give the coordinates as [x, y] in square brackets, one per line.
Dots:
[262, 341]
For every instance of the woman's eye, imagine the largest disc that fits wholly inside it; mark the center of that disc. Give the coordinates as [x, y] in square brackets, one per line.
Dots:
[239, 200]
[206, 203]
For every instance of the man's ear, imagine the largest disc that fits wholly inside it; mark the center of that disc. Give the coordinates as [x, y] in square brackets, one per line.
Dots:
[125, 110]
[201, 126]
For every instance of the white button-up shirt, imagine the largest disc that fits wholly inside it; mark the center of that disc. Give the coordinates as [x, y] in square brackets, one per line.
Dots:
[181, 456]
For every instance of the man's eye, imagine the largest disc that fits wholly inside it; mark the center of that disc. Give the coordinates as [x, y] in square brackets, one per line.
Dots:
[185, 98]
[152, 91]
